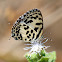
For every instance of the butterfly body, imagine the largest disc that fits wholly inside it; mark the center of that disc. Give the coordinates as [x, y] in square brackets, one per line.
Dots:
[29, 27]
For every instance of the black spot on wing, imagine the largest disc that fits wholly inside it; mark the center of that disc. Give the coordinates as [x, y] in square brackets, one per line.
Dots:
[33, 35]
[21, 37]
[24, 15]
[36, 16]
[38, 10]
[39, 23]
[30, 15]
[29, 39]
[15, 25]
[28, 36]
[20, 25]
[30, 21]
[25, 39]
[25, 21]
[27, 17]
[39, 32]
[33, 17]
[36, 28]
[17, 28]
[27, 32]
[31, 31]
[40, 18]
[18, 37]
[27, 13]
[35, 13]
[40, 14]
[26, 27]
[13, 34]
[30, 11]
[35, 9]
[19, 20]
[17, 31]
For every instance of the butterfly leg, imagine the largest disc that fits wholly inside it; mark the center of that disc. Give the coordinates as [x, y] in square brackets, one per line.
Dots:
[42, 40]
[28, 44]
[45, 47]
[45, 41]
[26, 48]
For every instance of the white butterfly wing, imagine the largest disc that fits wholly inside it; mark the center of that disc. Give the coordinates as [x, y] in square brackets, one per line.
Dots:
[30, 26]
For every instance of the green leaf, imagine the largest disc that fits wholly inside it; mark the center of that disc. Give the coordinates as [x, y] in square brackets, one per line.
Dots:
[42, 56]
[43, 59]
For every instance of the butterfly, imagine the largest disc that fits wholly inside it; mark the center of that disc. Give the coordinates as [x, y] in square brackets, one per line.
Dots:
[29, 27]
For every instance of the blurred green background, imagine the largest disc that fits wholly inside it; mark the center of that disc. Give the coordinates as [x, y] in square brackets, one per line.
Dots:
[10, 10]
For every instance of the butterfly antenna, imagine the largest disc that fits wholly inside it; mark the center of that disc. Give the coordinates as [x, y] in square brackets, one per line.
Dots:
[45, 41]
[27, 48]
